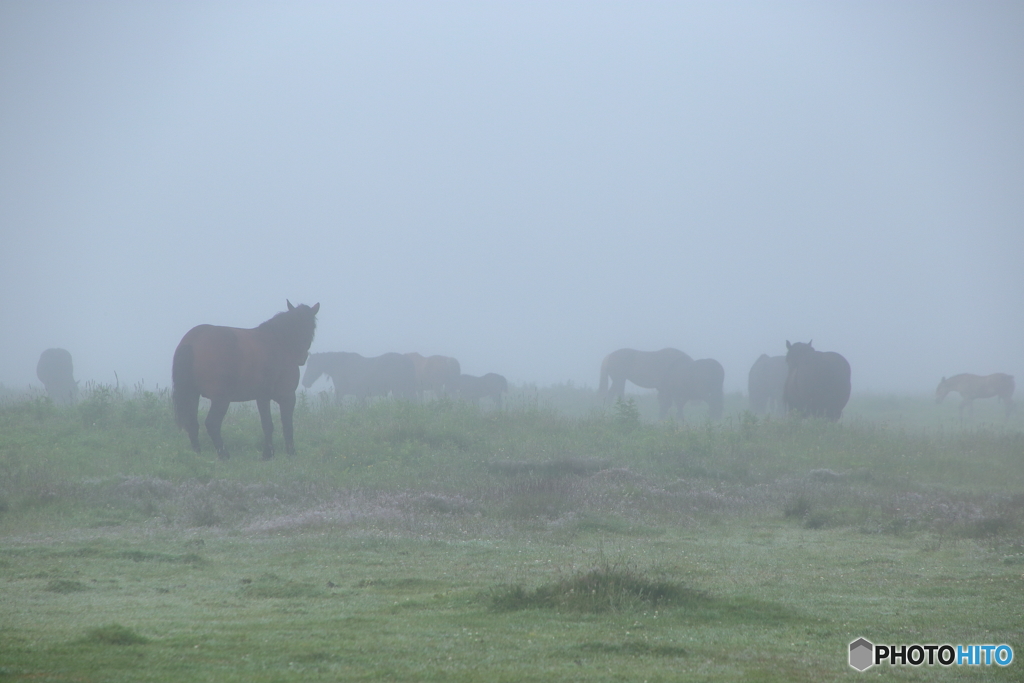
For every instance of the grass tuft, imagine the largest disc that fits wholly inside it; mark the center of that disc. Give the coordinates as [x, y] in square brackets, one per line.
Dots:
[273, 586]
[65, 586]
[609, 587]
[114, 634]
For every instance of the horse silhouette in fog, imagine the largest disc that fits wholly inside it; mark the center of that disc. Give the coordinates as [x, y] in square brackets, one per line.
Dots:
[698, 380]
[971, 387]
[818, 383]
[492, 385]
[229, 364]
[356, 375]
[56, 372]
[439, 374]
[766, 384]
[647, 369]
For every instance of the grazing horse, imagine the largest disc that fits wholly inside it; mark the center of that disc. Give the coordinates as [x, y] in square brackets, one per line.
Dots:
[647, 369]
[818, 383]
[492, 385]
[352, 374]
[699, 380]
[439, 374]
[766, 383]
[56, 372]
[971, 387]
[229, 364]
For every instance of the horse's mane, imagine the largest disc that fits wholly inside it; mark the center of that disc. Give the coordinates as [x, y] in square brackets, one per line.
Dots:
[294, 328]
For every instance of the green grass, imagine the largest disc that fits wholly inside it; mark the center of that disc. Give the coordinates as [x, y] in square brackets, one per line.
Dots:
[556, 540]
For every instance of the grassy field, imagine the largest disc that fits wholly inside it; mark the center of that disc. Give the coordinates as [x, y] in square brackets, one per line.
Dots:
[554, 540]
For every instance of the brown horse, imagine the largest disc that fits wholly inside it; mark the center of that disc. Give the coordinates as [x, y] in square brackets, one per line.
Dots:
[492, 385]
[766, 383]
[356, 375]
[818, 383]
[439, 374]
[700, 380]
[971, 387]
[647, 369]
[229, 364]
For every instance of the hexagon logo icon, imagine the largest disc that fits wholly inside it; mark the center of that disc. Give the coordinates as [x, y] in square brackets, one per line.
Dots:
[861, 654]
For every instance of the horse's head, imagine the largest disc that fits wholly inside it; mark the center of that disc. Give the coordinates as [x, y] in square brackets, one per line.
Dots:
[315, 367]
[797, 353]
[942, 390]
[300, 328]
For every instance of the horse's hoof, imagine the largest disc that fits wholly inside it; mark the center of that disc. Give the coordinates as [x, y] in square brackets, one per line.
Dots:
[223, 454]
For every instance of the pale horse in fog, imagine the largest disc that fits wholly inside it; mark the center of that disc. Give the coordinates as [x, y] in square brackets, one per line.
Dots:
[971, 387]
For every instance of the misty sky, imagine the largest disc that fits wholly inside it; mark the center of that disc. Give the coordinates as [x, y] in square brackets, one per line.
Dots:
[524, 186]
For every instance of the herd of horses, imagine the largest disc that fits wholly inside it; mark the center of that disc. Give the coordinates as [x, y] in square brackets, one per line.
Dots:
[229, 364]
[400, 375]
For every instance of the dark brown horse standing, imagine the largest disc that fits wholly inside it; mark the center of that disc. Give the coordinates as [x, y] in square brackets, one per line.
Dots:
[818, 384]
[971, 387]
[229, 364]
[766, 383]
[699, 380]
[492, 385]
[646, 369]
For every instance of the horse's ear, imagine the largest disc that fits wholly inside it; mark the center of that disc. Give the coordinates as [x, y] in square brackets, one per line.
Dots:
[788, 345]
[810, 343]
[290, 307]
[316, 307]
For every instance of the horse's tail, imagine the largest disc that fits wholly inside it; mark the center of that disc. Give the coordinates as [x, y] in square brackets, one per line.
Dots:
[184, 388]
[602, 388]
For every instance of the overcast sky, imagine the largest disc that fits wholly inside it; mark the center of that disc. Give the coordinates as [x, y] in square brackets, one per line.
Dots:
[524, 186]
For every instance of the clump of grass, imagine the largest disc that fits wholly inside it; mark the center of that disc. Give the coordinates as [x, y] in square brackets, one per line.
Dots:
[65, 586]
[627, 414]
[114, 634]
[608, 587]
[273, 586]
[634, 648]
[533, 497]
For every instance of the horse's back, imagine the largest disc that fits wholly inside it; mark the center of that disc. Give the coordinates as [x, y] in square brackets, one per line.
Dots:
[54, 364]
[647, 369]
[819, 385]
[56, 371]
[766, 382]
[237, 364]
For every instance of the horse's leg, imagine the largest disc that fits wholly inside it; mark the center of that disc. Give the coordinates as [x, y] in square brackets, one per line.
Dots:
[618, 390]
[192, 422]
[665, 404]
[267, 421]
[287, 405]
[218, 409]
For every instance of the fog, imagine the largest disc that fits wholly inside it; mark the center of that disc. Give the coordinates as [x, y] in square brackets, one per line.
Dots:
[524, 186]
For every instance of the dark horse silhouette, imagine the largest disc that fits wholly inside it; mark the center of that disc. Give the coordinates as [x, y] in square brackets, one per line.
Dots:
[57, 374]
[356, 375]
[229, 364]
[699, 380]
[492, 385]
[971, 387]
[818, 383]
[766, 383]
[647, 369]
